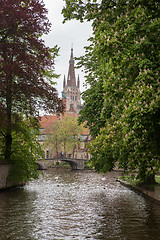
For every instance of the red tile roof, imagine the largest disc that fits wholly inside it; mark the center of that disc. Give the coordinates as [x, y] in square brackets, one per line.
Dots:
[46, 120]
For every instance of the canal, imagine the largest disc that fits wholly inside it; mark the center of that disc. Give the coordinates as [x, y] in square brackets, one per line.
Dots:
[64, 204]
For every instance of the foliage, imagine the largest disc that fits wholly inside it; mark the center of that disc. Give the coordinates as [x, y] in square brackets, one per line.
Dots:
[93, 97]
[157, 179]
[25, 151]
[53, 141]
[26, 68]
[63, 134]
[125, 49]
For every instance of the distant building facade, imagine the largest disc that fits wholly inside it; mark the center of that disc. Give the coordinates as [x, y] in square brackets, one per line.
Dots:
[71, 89]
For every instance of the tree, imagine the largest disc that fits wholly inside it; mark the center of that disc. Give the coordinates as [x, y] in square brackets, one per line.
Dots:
[25, 152]
[63, 134]
[125, 44]
[25, 62]
[93, 97]
[53, 140]
[73, 130]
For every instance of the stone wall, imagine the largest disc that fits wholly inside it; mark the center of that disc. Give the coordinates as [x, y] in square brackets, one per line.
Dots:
[4, 170]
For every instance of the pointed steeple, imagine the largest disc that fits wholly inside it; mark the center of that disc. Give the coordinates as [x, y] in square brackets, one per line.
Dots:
[71, 89]
[64, 82]
[78, 82]
[71, 80]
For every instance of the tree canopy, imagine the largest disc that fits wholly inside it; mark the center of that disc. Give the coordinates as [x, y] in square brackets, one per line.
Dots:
[63, 135]
[26, 68]
[123, 65]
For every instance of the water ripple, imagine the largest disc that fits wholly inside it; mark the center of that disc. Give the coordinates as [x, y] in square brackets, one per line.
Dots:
[64, 204]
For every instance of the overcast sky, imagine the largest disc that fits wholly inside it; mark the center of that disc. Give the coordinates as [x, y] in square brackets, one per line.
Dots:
[65, 35]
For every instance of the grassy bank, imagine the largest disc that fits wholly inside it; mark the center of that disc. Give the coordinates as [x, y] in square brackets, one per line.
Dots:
[130, 180]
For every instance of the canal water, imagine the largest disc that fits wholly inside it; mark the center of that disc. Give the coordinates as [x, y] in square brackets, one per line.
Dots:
[65, 204]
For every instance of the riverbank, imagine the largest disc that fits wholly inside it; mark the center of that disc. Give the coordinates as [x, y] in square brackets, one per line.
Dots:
[150, 192]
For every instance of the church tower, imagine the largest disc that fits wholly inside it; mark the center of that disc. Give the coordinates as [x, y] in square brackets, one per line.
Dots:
[71, 89]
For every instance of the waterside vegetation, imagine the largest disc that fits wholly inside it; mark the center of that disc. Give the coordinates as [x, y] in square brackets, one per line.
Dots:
[122, 104]
[26, 72]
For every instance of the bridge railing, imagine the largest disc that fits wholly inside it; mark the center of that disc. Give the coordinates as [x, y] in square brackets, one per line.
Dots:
[63, 159]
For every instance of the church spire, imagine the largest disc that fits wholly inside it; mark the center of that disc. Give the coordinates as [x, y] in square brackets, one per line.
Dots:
[64, 82]
[78, 82]
[71, 91]
[71, 80]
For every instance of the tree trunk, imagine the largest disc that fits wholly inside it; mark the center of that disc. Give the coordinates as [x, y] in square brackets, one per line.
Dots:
[64, 147]
[8, 146]
[8, 137]
[157, 131]
[150, 180]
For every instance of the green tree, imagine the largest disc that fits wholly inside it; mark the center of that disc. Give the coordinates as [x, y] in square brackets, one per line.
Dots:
[94, 96]
[53, 140]
[25, 151]
[125, 44]
[74, 132]
[63, 134]
[25, 64]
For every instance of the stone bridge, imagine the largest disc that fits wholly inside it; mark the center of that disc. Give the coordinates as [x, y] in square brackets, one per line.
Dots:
[76, 164]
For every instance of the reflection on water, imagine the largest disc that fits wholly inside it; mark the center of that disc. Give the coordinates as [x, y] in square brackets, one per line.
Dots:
[65, 204]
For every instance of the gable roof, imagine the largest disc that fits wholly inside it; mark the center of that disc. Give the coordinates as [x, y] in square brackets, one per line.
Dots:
[47, 120]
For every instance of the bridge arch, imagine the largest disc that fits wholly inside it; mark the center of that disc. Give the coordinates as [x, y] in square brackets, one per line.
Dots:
[40, 166]
[76, 164]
